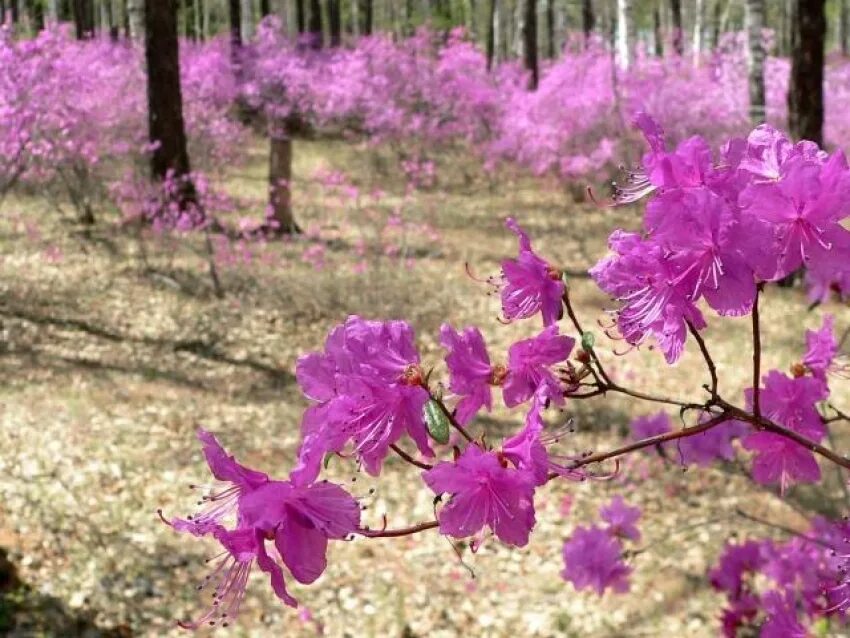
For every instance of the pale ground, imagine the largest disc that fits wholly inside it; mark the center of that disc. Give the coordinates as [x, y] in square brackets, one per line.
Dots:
[107, 368]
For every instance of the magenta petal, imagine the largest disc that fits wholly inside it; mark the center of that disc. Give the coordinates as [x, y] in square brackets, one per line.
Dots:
[303, 548]
[265, 562]
[224, 467]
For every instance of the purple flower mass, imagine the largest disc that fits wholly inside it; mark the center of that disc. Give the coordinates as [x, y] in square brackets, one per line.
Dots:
[367, 390]
[821, 348]
[529, 284]
[593, 559]
[299, 519]
[484, 492]
[621, 518]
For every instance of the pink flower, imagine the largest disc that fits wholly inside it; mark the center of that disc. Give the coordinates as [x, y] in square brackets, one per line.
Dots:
[484, 492]
[529, 284]
[656, 291]
[782, 621]
[528, 448]
[472, 375]
[367, 389]
[644, 427]
[529, 364]
[791, 402]
[300, 519]
[821, 348]
[593, 559]
[621, 518]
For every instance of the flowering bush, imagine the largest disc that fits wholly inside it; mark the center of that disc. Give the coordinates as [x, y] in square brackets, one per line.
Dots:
[716, 232]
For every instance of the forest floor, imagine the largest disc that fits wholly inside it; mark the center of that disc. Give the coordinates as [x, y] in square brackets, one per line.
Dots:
[113, 351]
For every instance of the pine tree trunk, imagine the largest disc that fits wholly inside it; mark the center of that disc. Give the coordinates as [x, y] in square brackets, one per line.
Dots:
[625, 31]
[529, 36]
[805, 92]
[588, 19]
[165, 102]
[492, 28]
[755, 59]
[334, 23]
[678, 33]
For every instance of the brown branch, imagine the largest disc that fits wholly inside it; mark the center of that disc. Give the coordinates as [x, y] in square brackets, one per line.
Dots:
[395, 448]
[395, 533]
[756, 355]
[709, 362]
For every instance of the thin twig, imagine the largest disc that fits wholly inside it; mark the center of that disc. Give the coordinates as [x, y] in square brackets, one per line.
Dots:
[395, 448]
[395, 533]
[709, 362]
[756, 355]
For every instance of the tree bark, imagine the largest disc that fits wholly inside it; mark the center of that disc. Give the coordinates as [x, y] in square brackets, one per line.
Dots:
[13, 7]
[300, 16]
[657, 34]
[754, 18]
[334, 23]
[550, 30]
[625, 33]
[492, 29]
[281, 219]
[588, 19]
[715, 26]
[529, 34]
[234, 12]
[805, 91]
[265, 8]
[678, 33]
[368, 17]
[136, 19]
[843, 24]
[314, 26]
[698, 27]
[165, 102]
[246, 25]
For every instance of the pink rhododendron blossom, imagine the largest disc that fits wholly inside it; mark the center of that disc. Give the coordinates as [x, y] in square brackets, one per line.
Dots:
[529, 284]
[529, 367]
[821, 348]
[484, 492]
[593, 559]
[367, 389]
[644, 427]
[471, 374]
[621, 518]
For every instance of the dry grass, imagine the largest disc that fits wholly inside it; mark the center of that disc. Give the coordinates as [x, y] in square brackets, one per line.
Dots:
[108, 366]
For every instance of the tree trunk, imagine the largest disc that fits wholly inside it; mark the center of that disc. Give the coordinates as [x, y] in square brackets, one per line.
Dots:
[165, 103]
[843, 24]
[265, 8]
[657, 34]
[246, 26]
[53, 11]
[36, 11]
[755, 59]
[588, 19]
[334, 23]
[368, 17]
[13, 6]
[234, 10]
[529, 37]
[82, 28]
[300, 17]
[492, 28]
[678, 39]
[805, 92]
[715, 26]
[280, 219]
[314, 26]
[136, 19]
[625, 39]
[698, 26]
[552, 47]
